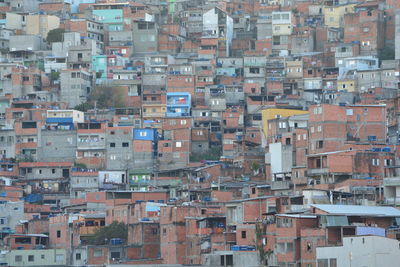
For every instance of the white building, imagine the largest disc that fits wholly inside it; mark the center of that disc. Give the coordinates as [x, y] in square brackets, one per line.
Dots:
[218, 24]
[360, 251]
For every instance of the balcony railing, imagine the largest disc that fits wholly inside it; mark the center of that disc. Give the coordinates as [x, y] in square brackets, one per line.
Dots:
[281, 185]
[317, 171]
[393, 181]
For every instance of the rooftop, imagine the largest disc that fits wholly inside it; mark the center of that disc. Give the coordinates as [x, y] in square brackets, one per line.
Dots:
[353, 210]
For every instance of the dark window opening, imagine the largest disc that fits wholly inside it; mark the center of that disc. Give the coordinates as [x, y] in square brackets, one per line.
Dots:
[243, 234]
[229, 260]
[115, 255]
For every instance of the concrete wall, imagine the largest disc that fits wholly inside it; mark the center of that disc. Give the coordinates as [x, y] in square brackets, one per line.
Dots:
[397, 38]
[26, 43]
[11, 213]
[57, 146]
[119, 155]
[362, 251]
[281, 157]
[7, 143]
[145, 40]
[240, 258]
[74, 90]
[42, 257]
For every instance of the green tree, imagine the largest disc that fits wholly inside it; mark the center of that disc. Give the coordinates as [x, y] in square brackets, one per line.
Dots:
[84, 106]
[213, 153]
[106, 233]
[55, 35]
[108, 97]
[104, 97]
[54, 76]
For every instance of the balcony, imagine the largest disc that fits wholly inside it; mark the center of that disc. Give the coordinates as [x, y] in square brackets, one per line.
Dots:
[281, 185]
[153, 114]
[254, 63]
[344, 54]
[319, 171]
[393, 181]
[152, 102]
[155, 63]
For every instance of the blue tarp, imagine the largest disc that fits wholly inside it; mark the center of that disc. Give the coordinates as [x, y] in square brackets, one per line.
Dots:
[365, 230]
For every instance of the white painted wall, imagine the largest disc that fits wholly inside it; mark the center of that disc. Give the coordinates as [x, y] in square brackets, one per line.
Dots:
[361, 251]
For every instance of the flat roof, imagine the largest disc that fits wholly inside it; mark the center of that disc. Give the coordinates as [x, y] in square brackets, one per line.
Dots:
[92, 215]
[305, 216]
[355, 210]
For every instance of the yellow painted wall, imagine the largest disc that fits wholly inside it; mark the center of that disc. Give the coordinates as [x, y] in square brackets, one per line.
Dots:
[271, 113]
[41, 24]
[282, 29]
[334, 15]
[350, 85]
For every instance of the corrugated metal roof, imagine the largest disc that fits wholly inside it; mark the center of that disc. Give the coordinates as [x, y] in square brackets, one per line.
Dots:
[359, 210]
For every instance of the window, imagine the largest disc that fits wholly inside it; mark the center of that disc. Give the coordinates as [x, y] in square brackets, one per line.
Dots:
[18, 258]
[59, 258]
[349, 112]
[22, 240]
[143, 134]
[31, 258]
[375, 162]
[319, 128]
[115, 255]
[243, 234]
[229, 260]
[58, 233]
[284, 223]
[42, 256]
[320, 144]
[125, 144]
[178, 144]
[322, 263]
[112, 144]
[97, 253]
[53, 171]
[254, 70]
[183, 122]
